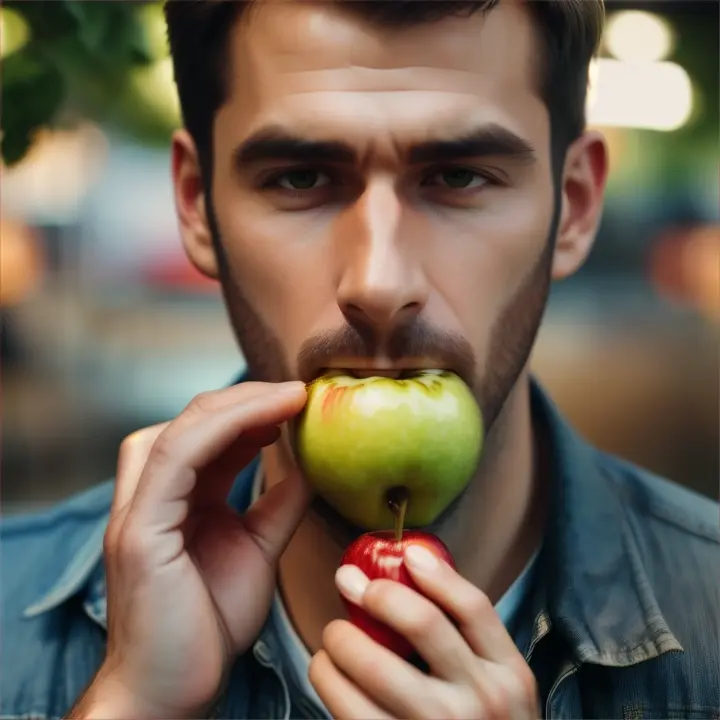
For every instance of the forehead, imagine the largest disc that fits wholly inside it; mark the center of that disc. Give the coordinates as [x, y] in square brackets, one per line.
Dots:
[324, 72]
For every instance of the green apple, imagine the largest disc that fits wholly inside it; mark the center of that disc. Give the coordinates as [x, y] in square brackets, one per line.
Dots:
[359, 438]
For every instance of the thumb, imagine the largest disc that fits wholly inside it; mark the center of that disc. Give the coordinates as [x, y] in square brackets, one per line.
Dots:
[272, 520]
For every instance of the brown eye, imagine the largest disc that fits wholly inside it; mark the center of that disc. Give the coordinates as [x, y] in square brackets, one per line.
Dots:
[299, 180]
[458, 179]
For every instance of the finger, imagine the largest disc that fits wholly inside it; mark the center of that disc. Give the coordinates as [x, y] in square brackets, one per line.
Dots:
[382, 675]
[177, 457]
[341, 697]
[135, 449]
[207, 402]
[477, 620]
[417, 619]
[133, 455]
[222, 473]
[508, 692]
[273, 518]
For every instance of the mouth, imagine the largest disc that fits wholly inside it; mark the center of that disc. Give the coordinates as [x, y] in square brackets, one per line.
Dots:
[398, 373]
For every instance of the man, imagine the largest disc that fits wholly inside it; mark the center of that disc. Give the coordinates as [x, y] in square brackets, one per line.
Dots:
[378, 186]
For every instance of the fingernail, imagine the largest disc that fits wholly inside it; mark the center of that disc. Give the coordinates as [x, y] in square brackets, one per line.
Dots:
[352, 582]
[421, 558]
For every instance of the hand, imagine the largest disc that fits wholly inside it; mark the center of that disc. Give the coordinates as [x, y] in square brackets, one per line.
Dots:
[476, 670]
[190, 581]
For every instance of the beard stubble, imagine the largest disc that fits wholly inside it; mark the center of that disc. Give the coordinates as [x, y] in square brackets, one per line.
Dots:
[512, 339]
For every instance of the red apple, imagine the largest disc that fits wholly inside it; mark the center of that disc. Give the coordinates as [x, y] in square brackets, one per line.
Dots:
[380, 555]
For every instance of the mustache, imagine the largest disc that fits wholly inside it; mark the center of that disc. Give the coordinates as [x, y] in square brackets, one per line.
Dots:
[412, 341]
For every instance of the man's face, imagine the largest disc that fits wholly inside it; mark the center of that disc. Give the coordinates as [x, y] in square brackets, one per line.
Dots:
[358, 228]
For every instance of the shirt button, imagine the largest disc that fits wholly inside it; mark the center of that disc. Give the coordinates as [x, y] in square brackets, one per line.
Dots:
[262, 652]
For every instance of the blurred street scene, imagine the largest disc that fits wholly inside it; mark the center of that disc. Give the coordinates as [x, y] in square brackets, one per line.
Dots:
[107, 328]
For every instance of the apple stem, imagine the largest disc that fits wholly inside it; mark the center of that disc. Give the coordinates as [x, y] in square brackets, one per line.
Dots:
[398, 502]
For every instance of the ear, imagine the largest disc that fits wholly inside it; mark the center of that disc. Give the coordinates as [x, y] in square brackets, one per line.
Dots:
[190, 205]
[583, 189]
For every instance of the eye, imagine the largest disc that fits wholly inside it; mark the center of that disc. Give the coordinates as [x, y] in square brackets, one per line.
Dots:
[457, 179]
[299, 180]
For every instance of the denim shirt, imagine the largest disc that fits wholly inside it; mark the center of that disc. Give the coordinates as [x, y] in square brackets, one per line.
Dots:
[293, 658]
[621, 620]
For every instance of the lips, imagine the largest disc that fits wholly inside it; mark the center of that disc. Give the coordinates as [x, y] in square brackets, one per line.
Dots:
[389, 373]
[396, 373]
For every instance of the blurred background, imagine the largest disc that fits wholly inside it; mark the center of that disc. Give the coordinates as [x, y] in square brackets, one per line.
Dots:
[106, 327]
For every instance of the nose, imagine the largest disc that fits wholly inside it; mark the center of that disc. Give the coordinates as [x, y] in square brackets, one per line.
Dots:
[382, 280]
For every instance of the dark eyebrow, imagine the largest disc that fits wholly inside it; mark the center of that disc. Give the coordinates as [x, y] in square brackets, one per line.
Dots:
[486, 141]
[276, 143]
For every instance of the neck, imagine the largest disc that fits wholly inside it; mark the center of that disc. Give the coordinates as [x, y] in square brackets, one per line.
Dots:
[492, 533]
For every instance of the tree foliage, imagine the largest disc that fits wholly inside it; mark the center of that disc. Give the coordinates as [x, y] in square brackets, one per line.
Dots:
[77, 62]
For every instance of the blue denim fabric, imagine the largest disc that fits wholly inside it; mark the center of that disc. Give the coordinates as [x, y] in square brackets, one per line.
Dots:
[621, 621]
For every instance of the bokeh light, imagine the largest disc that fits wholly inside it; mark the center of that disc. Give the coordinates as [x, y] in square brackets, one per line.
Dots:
[635, 35]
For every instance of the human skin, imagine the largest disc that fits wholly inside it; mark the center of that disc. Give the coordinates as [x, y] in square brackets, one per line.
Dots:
[379, 260]
[338, 273]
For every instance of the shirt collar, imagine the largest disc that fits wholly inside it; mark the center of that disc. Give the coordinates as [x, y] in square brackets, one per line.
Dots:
[76, 576]
[596, 590]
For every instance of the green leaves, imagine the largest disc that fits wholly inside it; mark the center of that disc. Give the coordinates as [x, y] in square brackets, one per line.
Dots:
[32, 93]
[76, 63]
[111, 30]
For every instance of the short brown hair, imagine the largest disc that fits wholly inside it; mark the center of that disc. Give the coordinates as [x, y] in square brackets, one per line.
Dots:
[570, 32]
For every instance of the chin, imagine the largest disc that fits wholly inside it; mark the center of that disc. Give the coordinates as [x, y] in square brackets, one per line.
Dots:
[341, 530]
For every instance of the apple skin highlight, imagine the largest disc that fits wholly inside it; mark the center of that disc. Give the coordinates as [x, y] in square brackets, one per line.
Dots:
[359, 437]
[380, 556]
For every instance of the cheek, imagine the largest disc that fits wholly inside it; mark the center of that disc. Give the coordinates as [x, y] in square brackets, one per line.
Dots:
[475, 260]
[484, 258]
[280, 263]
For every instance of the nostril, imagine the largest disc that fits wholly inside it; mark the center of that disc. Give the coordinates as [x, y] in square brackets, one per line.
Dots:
[353, 310]
[412, 306]
[380, 314]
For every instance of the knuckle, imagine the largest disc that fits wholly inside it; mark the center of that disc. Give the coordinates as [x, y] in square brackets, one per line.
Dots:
[203, 403]
[444, 709]
[519, 675]
[162, 451]
[382, 595]
[130, 447]
[364, 667]
[524, 683]
[510, 691]
[127, 446]
[111, 538]
[527, 679]
[379, 593]
[131, 550]
[496, 703]
[426, 621]
[458, 706]
[333, 634]
[477, 603]
[420, 616]
[138, 440]
[133, 454]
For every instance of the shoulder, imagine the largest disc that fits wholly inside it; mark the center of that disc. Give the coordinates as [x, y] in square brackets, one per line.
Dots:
[664, 513]
[673, 534]
[38, 546]
[47, 560]
[676, 534]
